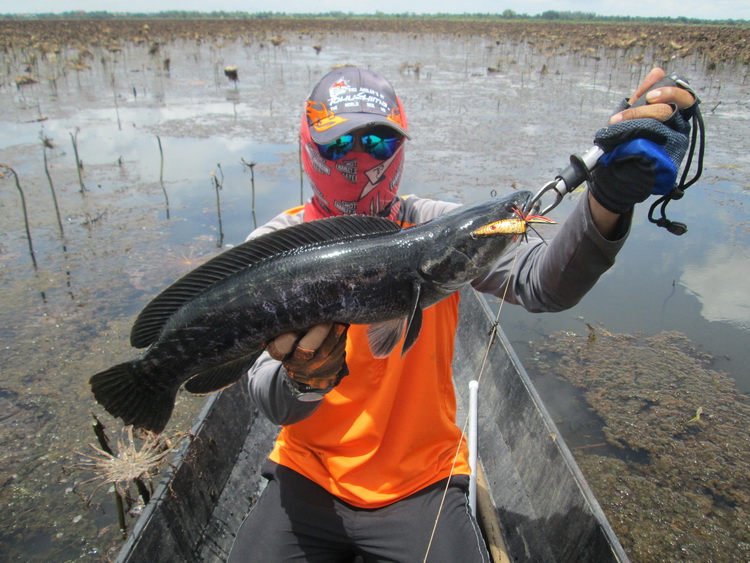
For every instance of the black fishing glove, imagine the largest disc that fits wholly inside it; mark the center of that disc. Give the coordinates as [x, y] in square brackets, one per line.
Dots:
[320, 369]
[642, 157]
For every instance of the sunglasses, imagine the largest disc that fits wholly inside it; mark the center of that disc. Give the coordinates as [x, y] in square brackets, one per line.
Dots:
[378, 144]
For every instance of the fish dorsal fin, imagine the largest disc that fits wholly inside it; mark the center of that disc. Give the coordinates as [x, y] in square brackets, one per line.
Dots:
[153, 317]
[383, 337]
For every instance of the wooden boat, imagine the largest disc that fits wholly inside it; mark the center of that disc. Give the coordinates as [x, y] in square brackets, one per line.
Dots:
[533, 502]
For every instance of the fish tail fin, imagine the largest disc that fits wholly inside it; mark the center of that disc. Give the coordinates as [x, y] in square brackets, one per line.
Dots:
[122, 392]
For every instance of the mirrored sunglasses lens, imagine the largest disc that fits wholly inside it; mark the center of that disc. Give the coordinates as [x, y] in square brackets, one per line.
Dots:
[380, 147]
[338, 148]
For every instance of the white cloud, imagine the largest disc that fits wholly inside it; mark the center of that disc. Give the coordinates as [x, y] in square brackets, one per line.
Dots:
[721, 285]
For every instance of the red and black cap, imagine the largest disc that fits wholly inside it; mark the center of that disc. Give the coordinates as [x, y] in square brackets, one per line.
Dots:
[349, 98]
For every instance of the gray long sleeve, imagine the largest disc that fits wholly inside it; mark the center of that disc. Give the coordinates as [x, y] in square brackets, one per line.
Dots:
[272, 395]
[555, 276]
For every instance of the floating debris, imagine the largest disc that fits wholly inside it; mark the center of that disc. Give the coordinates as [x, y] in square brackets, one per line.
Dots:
[24, 81]
[697, 416]
[231, 73]
[130, 462]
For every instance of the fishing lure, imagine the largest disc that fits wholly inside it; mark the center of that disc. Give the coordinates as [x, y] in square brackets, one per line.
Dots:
[517, 226]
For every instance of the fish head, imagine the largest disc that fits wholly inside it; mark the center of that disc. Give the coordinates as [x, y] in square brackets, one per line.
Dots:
[461, 248]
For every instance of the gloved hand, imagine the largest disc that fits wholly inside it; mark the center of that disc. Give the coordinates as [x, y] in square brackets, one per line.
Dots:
[642, 157]
[316, 360]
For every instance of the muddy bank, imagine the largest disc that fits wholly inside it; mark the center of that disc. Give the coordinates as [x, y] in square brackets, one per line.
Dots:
[714, 44]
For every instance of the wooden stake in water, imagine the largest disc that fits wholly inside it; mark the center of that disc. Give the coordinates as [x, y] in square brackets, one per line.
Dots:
[218, 184]
[79, 164]
[251, 166]
[104, 443]
[161, 174]
[25, 212]
[47, 144]
[117, 109]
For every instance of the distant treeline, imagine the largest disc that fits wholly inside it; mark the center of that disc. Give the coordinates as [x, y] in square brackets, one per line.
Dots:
[549, 15]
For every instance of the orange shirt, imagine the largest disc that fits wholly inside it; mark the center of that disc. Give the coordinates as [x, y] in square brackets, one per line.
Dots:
[388, 429]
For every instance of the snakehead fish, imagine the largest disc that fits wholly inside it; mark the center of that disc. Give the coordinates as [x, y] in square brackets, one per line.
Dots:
[209, 327]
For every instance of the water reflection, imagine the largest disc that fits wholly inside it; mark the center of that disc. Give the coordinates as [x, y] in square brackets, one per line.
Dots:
[720, 284]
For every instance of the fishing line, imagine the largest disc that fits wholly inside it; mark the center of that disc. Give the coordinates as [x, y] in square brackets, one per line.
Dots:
[492, 336]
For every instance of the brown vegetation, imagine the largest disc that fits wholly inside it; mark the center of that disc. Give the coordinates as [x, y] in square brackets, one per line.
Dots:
[715, 43]
[680, 491]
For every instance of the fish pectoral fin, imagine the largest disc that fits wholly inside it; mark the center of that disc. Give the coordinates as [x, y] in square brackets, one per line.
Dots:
[222, 376]
[383, 337]
[414, 324]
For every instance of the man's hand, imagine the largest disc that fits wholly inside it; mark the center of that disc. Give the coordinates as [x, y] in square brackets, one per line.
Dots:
[659, 101]
[318, 359]
[627, 181]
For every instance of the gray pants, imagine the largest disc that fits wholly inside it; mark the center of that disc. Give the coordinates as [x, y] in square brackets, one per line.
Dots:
[297, 520]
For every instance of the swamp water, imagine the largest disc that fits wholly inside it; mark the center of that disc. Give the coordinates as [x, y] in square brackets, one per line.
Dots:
[142, 220]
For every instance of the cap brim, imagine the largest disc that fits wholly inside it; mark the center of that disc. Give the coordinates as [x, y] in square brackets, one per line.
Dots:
[350, 122]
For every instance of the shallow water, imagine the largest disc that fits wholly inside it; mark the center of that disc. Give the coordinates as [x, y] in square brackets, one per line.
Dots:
[474, 134]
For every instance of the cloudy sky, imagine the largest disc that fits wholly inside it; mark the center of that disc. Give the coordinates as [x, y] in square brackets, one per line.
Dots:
[719, 9]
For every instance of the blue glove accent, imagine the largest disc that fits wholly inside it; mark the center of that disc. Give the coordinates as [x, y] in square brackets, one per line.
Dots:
[665, 171]
[642, 156]
[672, 134]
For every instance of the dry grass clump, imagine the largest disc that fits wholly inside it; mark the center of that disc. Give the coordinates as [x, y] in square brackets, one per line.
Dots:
[131, 461]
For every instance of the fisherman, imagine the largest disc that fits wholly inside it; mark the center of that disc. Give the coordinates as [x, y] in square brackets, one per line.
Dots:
[368, 446]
